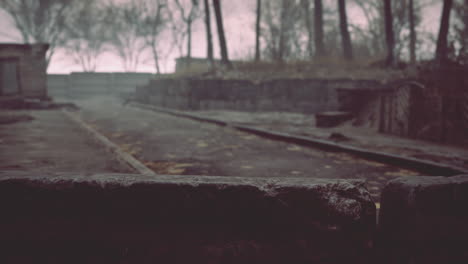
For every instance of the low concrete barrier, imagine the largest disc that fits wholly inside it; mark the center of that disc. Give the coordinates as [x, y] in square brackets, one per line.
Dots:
[183, 219]
[424, 220]
[82, 85]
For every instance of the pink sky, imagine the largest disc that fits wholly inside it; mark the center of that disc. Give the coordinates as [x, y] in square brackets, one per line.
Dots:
[239, 22]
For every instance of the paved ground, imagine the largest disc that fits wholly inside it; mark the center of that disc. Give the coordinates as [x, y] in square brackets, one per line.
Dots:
[171, 145]
[47, 142]
[303, 125]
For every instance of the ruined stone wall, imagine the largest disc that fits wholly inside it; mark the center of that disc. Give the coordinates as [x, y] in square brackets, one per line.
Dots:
[395, 108]
[294, 95]
[411, 109]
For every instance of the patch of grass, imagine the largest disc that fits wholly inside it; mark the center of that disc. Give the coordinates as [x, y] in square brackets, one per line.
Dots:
[329, 68]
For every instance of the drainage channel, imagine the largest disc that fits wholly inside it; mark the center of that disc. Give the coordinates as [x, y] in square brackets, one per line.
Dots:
[121, 155]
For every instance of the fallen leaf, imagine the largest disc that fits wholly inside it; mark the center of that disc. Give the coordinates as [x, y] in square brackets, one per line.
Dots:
[126, 147]
[117, 135]
[294, 148]
[202, 144]
[182, 165]
[175, 170]
[246, 167]
[401, 173]
[372, 163]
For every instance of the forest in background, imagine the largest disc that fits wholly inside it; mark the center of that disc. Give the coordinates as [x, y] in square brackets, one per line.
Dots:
[287, 32]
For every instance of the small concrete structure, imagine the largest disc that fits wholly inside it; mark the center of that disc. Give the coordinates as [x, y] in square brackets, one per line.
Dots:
[23, 71]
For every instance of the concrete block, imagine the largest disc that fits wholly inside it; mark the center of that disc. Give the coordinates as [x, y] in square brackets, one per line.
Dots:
[114, 218]
[331, 119]
[425, 220]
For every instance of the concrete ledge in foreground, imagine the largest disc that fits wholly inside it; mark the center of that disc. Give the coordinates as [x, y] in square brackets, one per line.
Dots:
[112, 218]
[425, 220]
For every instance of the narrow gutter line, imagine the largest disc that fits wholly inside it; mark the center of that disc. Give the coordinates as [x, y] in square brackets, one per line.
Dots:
[110, 146]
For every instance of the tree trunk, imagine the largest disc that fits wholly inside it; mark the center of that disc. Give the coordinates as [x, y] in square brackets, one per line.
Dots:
[209, 38]
[306, 7]
[222, 39]
[318, 29]
[156, 59]
[389, 35]
[464, 45]
[282, 36]
[345, 38]
[189, 40]
[257, 31]
[442, 45]
[412, 32]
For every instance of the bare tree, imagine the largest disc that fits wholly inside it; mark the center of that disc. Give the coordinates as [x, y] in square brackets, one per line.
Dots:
[374, 31]
[442, 42]
[86, 35]
[461, 29]
[123, 21]
[257, 30]
[151, 24]
[40, 21]
[283, 31]
[188, 17]
[222, 39]
[345, 37]
[318, 29]
[308, 26]
[390, 38]
[209, 38]
[412, 27]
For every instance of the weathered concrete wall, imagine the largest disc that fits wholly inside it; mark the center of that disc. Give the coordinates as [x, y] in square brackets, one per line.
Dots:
[31, 67]
[423, 220]
[398, 109]
[296, 95]
[83, 85]
[183, 219]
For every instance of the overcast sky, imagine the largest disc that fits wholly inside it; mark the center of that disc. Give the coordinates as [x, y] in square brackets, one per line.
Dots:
[239, 19]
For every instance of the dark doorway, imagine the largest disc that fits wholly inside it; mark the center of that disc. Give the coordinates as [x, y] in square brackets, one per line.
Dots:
[9, 84]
